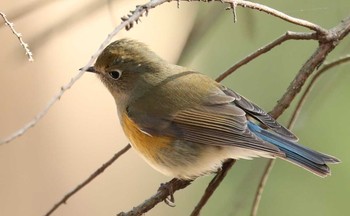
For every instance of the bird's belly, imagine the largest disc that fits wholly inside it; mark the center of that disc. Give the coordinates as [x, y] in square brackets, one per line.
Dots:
[179, 158]
[175, 158]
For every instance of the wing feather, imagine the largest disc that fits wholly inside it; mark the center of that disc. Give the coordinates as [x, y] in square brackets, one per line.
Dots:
[260, 115]
[211, 128]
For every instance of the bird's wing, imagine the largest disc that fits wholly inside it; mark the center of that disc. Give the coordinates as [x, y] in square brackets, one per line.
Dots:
[216, 120]
[260, 115]
[222, 125]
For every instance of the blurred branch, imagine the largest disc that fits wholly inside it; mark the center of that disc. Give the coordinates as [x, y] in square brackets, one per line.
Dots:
[201, 26]
[19, 36]
[88, 180]
[30, 7]
[66, 21]
[261, 186]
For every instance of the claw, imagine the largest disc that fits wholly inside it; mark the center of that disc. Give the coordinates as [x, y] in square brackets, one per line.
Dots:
[170, 200]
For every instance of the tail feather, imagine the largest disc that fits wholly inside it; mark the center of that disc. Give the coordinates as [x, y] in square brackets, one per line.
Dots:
[302, 156]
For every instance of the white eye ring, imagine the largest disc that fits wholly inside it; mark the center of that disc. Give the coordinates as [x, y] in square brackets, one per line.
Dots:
[115, 74]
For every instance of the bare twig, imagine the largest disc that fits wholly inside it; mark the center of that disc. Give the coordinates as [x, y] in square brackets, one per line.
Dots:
[213, 185]
[276, 13]
[88, 180]
[287, 36]
[263, 8]
[19, 36]
[324, 68]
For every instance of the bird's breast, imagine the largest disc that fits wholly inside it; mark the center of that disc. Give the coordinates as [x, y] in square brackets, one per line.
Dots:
[147, 145]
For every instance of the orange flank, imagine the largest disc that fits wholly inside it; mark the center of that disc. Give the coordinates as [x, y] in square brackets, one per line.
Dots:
[144, 143]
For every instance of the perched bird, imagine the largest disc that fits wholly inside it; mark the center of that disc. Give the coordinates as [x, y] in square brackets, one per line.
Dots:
[185, 124]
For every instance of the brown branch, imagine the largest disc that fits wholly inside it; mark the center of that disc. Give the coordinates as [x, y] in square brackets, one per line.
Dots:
[316, 59]
[276, 13]
[308, 89]
[213, 185]
[287, 36]
[88, 180]
[263, 8]
[19, 37]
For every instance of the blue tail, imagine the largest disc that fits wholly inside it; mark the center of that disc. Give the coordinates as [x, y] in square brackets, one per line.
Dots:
[309, 159]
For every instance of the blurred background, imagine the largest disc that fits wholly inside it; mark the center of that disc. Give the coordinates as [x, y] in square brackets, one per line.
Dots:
[81, 131]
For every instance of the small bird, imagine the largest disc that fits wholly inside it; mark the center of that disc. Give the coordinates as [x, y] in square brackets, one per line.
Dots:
[185, 124]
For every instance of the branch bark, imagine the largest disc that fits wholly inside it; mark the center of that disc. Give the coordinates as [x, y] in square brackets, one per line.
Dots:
[327, 44]
[19, 37]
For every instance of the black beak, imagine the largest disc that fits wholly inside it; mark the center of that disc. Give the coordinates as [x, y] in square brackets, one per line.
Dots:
[90, 69]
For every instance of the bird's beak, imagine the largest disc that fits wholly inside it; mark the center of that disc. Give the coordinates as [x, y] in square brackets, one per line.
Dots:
[90, 69]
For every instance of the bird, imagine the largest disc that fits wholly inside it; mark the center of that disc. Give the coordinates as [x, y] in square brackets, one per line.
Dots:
[184, 124]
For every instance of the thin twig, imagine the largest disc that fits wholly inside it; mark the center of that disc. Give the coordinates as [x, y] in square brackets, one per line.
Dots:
[325, 67]
[126, 23]
[19, 36]
[287, 36]
[276, 13]
[213, 185]
[291, 123]
[273, 12]
[88, 180]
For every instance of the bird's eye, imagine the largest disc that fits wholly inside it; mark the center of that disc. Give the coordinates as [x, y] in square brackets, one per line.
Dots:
[115, 74]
